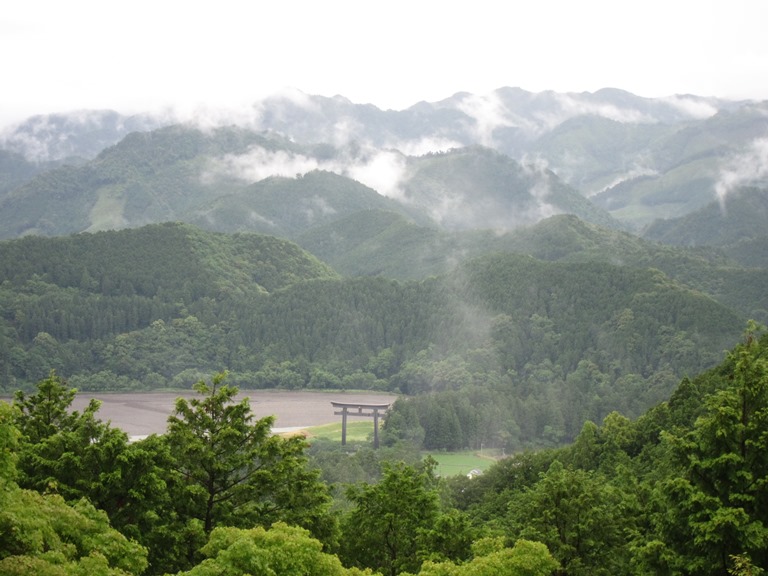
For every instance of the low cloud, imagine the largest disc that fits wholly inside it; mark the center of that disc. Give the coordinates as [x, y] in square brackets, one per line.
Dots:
[571, 106]
[426, 145]
[635, 171]
[538, 169]
[489, 113]
[259, 163]
[692, 106]
[382, 170]
[747, 168]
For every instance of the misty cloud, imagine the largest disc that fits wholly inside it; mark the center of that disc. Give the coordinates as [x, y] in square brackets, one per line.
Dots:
[426, 145]
[489, 113]
[691, 106]
[747, 168]
[571, 106]
[537, 168]
[635, 171]
[259, 163]
[382, 170]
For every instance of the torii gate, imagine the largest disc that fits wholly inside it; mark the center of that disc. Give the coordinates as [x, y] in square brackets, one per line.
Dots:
[366, 410]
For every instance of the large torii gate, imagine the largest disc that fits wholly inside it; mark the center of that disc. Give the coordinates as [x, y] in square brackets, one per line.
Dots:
[354, 409]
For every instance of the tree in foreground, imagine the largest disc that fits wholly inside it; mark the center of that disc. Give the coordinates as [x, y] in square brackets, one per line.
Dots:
[492, 558]
[383, 531]
[67, 452]
[236, 472]
[280, 551]
[44, 535]
[712, 517]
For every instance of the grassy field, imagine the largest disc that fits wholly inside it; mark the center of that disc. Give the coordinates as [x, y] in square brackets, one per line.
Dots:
[356, 431]
[455, 463]
[448, 463]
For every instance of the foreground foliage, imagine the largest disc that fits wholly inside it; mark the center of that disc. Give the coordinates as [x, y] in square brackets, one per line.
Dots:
[679, 490]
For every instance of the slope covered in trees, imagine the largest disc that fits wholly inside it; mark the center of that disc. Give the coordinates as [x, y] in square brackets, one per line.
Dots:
[543, 344]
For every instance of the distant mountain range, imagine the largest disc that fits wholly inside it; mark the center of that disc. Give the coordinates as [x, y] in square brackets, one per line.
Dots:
[497, 161]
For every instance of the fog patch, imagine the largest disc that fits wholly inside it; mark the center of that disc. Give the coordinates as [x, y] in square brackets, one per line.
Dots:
[426, 145]
[748, 168]
[489, 113]
[258, 164]
[692, 106]
[383, 171]
[571, 106]
[538, 170]
[636, 171]
[316, 207]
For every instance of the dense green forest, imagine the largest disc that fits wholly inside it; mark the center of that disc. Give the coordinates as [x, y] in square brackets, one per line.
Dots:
[678, 490]
[539, 345]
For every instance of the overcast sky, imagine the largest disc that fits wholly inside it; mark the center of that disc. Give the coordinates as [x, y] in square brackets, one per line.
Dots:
[61, 55]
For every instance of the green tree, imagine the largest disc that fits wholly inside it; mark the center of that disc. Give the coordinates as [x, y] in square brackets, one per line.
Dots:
[717, 509]
[42, 534]
[281, 550]
[64, 451]
[580, 517]
[236, 471]
[491, 558]
[382, 531]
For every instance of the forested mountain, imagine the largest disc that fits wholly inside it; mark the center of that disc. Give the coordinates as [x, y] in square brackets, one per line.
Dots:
[166, 304]
[424, 234]
[181, 173]
[289, 206]
[637, 158]
[739, 216]
[77, 135]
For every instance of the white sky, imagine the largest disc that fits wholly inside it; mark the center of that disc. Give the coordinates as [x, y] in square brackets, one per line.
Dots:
[140, 55]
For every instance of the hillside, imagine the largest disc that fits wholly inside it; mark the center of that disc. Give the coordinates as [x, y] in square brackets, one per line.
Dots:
[477, 188]
[164, 305]
[288, 206]
[741, 215]
[638, 159]
[148, 177]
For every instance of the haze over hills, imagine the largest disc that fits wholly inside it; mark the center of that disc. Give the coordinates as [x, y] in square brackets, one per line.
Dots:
[637, 158]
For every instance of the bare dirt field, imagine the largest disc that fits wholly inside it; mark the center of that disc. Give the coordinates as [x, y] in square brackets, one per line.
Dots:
[144, 413]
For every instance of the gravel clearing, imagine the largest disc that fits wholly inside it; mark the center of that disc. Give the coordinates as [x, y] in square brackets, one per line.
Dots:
[143, 413]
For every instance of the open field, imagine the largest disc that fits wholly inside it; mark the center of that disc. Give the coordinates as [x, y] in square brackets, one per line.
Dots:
[144, 413]
[455, 463]
[357, 430]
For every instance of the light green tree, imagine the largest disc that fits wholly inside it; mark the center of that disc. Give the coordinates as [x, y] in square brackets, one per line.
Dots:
[281, 550]
[42, 534]
[492, 558]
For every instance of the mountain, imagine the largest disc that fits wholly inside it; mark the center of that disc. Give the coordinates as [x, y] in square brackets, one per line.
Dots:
[167, 298]
[235, 179]
[739, 216]
[478, 188]
[15, 170]
[285, 206]
[83, 134]
[147, 177]
[171, 261]
[637, 158]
